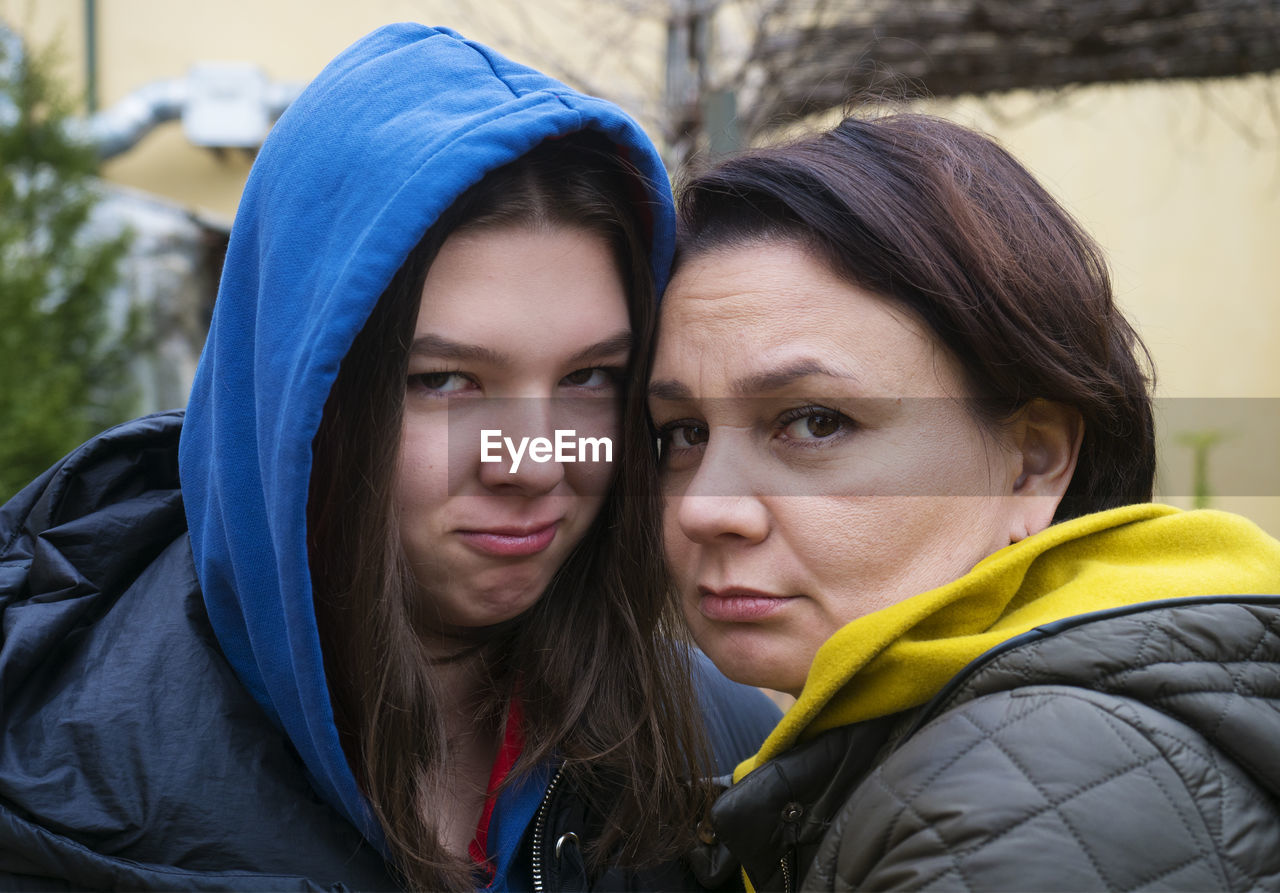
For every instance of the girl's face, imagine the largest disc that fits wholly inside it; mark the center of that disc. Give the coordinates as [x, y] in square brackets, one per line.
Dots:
[819, 459]
[521, 333]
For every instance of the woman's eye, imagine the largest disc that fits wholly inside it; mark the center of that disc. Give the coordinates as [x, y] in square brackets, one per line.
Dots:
[593, 377]
[683, 436]
[441, 382]
[815, 423]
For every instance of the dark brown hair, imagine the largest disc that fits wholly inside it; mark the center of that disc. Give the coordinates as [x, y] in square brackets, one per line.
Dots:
[944, 221]
[604, 685]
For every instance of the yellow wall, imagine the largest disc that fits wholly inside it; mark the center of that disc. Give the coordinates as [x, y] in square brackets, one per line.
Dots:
[140, 41]
[1179, 182]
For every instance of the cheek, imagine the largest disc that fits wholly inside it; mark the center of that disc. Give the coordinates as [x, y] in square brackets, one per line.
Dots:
[595, 442]
[956, 491]
[816, 526]
[590, 480]
[867, 553]
[423, 468]
[955, 458]
[597, 449]
[847, 548]
[900, 546]
[679, 549]
[961, 532]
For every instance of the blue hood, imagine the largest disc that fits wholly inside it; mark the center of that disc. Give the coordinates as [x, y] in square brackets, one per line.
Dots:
[353, 174]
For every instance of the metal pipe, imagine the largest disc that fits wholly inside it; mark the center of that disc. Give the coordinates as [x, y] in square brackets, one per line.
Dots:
[119, 128]
[90, 56]
[222, 105]
[11, 51]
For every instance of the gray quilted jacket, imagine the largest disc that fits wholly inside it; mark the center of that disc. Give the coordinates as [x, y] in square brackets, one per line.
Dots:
[1136, 749]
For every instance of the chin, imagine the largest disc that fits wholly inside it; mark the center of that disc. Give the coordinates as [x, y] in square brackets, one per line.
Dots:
[494, 611]
[741, 655]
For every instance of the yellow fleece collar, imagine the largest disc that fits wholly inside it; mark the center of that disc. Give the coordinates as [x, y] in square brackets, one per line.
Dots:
[901, 656]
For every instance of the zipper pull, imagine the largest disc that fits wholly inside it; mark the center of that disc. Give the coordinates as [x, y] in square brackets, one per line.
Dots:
[571, 867]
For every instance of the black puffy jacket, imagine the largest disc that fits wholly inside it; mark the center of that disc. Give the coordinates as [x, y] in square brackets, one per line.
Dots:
[131, 756]
[1136, 749]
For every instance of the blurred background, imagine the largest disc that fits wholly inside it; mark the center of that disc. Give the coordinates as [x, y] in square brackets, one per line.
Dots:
[128, 127]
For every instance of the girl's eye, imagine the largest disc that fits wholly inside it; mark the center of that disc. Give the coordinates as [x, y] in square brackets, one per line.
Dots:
[592, 377]
[442, 382]
[814, 423]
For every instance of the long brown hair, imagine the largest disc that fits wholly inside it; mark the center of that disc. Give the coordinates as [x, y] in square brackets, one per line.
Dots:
[604, 683]
[944, 221]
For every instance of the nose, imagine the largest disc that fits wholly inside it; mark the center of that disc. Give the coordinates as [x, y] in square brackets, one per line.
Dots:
[527, 463]
[720, 505]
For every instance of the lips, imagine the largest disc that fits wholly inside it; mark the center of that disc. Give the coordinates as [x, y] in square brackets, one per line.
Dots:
[736, 604]
[511, 540]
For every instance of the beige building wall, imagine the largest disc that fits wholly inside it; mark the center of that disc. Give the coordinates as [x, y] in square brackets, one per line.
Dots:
[1179, 182]
[141, 41]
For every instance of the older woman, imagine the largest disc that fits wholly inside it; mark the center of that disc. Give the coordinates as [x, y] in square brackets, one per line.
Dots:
[907, 450]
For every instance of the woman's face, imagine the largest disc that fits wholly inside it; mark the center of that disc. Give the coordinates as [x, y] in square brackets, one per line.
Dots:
[819, 459]
[521, 332]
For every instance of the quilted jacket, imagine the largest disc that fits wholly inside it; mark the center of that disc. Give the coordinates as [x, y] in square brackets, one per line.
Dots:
[1134, 749]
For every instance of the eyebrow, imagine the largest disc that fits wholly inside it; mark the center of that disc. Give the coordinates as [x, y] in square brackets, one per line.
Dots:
[776, 379]
[448, 349]
[603, 350]
[769, 380]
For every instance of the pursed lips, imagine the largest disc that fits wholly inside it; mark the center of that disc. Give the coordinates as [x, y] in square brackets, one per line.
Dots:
[739, 604]
[511, 540]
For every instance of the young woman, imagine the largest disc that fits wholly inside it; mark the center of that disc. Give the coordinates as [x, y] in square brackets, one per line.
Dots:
[908, 456]
[384, 653]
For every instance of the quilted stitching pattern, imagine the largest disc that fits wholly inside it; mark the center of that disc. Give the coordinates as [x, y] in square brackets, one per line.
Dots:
[1004, 789]
[1214, 667]
[1163, 776]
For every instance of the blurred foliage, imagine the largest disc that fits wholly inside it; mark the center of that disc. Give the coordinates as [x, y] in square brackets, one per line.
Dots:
[1201, 442]
[65, 350]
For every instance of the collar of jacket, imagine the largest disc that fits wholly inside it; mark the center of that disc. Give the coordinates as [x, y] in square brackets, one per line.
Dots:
[781, 812]
[1155, 651]
[900, 657]
[553, 850]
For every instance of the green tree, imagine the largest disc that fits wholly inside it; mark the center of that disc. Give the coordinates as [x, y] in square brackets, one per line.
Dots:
[65, 352]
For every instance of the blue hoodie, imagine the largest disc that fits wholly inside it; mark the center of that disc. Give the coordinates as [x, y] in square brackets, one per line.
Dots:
[353, 174]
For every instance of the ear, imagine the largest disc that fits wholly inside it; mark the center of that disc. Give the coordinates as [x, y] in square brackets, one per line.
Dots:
[1046, 441]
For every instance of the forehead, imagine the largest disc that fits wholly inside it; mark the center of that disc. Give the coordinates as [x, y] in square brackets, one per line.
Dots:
[748, 307]
[484, 277]
[779, 282]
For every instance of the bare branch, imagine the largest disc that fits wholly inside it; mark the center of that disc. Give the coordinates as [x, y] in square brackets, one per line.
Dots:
[980, 46]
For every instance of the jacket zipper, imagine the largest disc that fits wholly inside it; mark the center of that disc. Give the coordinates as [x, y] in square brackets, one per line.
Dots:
[786, 875]
[540, 827]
